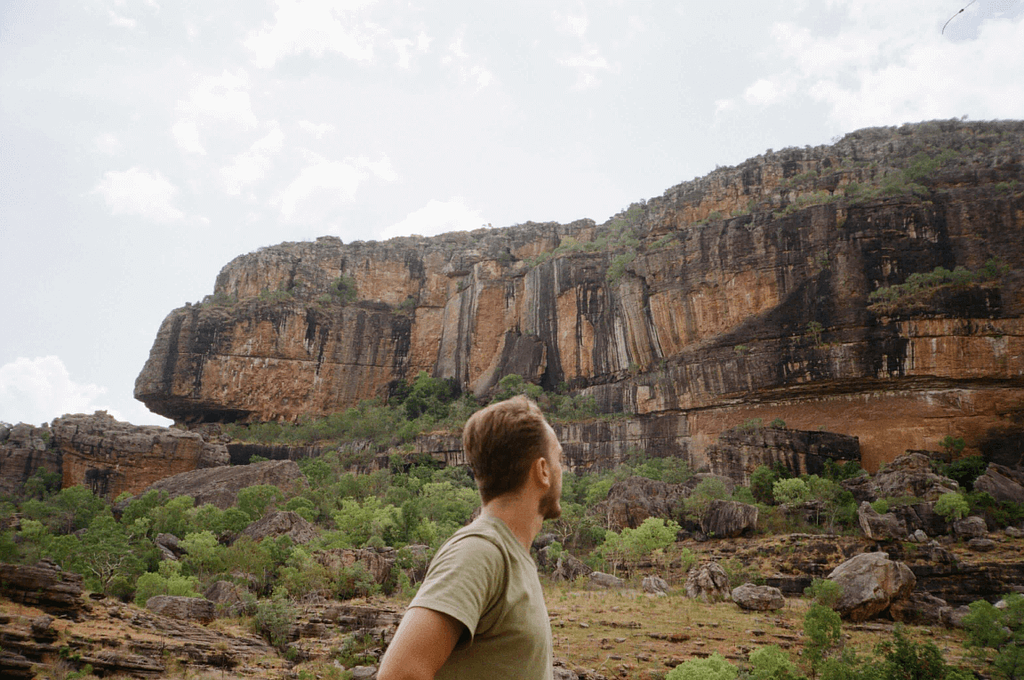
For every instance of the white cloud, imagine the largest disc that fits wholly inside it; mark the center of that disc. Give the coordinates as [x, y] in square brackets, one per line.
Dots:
[588, 66]
[315, 27]
[317, 131]
[381, 169]
[889, 63]
[223, 98]
[38, 390]
[138, 192]
[404, 47]
[331, 182]
[468, 69]
[107, 144]
[121, 22]
[436, 217]
[251, 166]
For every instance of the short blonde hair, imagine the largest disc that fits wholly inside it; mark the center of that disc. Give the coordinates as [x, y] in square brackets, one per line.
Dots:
[501, 443]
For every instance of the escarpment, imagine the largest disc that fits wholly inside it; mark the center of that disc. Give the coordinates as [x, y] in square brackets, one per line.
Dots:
[745, 294]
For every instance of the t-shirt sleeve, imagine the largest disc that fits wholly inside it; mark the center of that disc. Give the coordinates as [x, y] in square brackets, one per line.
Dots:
[465, 581]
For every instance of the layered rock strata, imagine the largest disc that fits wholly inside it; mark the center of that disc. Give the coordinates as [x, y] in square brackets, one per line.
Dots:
[740, 295]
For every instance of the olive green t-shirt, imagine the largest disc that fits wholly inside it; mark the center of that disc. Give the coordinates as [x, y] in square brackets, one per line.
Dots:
[484, 578]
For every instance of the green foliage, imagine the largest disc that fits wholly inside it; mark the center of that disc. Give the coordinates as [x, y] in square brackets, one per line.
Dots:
[919, 287]
[273, 619]
[256, 500]
[430, 396]
[838, 472]
[778, 424]
[965, 471]
[953, 446]
[674, 470]
[714, 667]
[824, 592]
[791, 491]
[822, 633]
[698, 504]
[904, 659]
[354, 581]
[68, 510]
[617, 268]
[167, 581]
[762, 482]
[204, 555]
[343, 289]
[751, 425]
[952, 506]
[632, 545]
[815, 329]
[881, 505]
[172, 517]
[512, 385]
[772, 663]
[997, 635]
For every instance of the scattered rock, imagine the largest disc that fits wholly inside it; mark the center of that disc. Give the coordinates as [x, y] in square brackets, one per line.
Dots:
[1013, 532]
[219, 486]
[1003, 483]
[730, 519]
[921, 609]
[655, 585]
[569, 568]
[970, 527]
[182, 608]
[981, 545]
[281, 523]
[871, 582]
[707, 582]
[880, 527]
[363, 673]
[603, 580]
[758, 598]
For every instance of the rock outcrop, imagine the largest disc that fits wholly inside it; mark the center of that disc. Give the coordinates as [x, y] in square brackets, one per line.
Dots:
[740, 450]
[870, 583]
[730, 519]
[111, 457]
[879, 527]
[23, 450]
[281, 523]
[630, 501]
[708, 582]
[737, 296]
[910, 474]
[1003, 483]
[220, 486]
[44, 585]
[197, 609]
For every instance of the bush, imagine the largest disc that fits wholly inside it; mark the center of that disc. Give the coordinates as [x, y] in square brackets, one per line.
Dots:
[715, 667]
[824, 592]
[273, 620]
[762, 482]
[952, 506]
[168, 581]
[772, 663]
[823, 633]
[791, 491]
[965, 471]
[905, 659]
[997, 635]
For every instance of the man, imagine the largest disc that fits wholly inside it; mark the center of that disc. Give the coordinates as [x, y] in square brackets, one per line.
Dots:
[480, 611]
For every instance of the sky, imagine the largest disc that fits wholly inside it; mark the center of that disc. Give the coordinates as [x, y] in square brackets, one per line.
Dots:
[146, 143]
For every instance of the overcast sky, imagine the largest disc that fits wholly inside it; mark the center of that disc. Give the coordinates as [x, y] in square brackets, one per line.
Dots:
[146, 143]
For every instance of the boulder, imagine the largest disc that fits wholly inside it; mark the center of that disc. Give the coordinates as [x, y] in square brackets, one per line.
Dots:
[708, 582]
[758, 598]
[281, 523]
[182, 608]
[911, 475]
[631, 501]
[1003, 483]
[363, 672]
[919, 536]
[936, 553]
[229, 599]
[169, 546]
[219, 486]
[44, 585]
[603, 580]
[981, 545]
[880, 527]
[1014, 532]
[954, 616]
[970, 527]
[569, 568]
[654, 585]
[920, 609]
[730, 519]
[870, 583]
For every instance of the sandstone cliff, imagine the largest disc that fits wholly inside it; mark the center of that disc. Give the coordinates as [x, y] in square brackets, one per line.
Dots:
[740, 295]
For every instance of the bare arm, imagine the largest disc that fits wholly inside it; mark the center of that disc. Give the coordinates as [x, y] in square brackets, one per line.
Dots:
[424, 641]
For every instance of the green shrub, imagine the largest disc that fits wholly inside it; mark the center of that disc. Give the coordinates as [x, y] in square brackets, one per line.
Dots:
[273, 620]
[822, 633]
[714, 667]
[965, 471]
[952, 506]
[791, 491]
[997, 635]
[167, 581]
[343, 289]
[904, 659]
[772, 663]
[824, 592]
[881, 506]
[762, 482]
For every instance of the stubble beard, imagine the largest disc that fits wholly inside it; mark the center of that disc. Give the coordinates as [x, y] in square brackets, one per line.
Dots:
[550, 506]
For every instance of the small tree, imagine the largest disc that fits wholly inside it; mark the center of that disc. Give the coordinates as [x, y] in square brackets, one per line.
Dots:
[698, 505]
[952, 506]
[997, 635]
[761, 482]
[772, 663]
[905, 659]
[823, 634]
[714, 667]
[791, 491]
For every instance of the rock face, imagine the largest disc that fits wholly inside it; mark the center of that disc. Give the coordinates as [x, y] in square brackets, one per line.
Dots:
[871, 582]
[630, 501]
[378, 563]
[910, 474]
[23, 450]
[739, 451]
[111, 457]
[1005, 484]
[730, 519]
[281, 523]
[44, 585]
[220, 486]
[878, 527]
[708, 582]
[758, 598]
[182, 608]
[670, 310]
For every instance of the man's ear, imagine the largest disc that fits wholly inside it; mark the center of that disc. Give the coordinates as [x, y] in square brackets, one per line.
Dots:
[541, 470]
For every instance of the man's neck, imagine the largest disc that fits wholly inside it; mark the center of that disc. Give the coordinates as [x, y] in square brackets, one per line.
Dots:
[519, 513]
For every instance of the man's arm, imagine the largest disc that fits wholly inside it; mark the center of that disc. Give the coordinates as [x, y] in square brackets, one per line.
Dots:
[423, 642]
